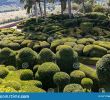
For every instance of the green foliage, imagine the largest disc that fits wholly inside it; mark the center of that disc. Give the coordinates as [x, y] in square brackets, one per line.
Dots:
[103, 68]
[46, 72]
[73, 88]
[76, 76]
[11, 68]
[94, 51]
[85, 41]
[91, 73]
[67, 65]
[87, 83]
[7, 56]
[86, 27]
[14, 46]
[3, 72]
[46, 55]
[61, 79]
[79, 49]
[96, 15]
[26, 56]
[8, 89]
[26, 74]
[13, 84]
[99, 8]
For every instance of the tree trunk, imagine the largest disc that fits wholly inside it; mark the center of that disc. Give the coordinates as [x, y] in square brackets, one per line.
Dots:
[62, 7]
[36, 12]
[83, 6]
[40, 8]
[69, 8]
[45, 8]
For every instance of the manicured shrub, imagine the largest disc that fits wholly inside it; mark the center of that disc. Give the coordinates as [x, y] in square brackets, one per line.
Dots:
[67, 59]
[44, 44]
[85, 41]
[3, 72]
[14, 46]
[46, 72]
[86, 27]
[26, 58]
[72, 44]
[87, 83]
[62, 46]
[94, 51]
[61, 79]
[1, 80]
[76, 76]
[46, 55]
[91, 73]
[79, 49]
[73, 88]
[7, 56]
[35, 68]
[99, 8]
[96, 15]
[103, 69]
[32, 83]
[26, 74]
[25, 43]
[56, 43]
[13, 84]
[11, 68]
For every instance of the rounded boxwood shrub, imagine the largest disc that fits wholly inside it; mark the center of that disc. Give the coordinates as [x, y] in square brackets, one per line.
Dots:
[46, 55]
[11, 68]
[86, 27]
[13, 84]
[67, 59]
[26, 58]
[14, 46]
[46, 72]
[103, 69]
[94, 51]
[61, 79]
[26, 74]
[73, 88]
[87, 83]
[76, 76]
[99, 8]
[37, 76]
[3, 72]
[7, 56]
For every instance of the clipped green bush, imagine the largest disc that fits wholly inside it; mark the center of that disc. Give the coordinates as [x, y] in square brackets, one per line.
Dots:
[91, 73]
[37, 76]
[86, 27]
[11, 68]
[26, 74]
[76, 76]
[13, 84]
[3, 72]
[46, 55]
[67, 59]
[85, 41]
[46, 72]
[79, 49]
[94, 51]
[99, 8]
[96, 15]
[26, 58]
[7, 56]
[87, 83]
[14, 46]
[73, 88]
[61, 79]
[103, 69]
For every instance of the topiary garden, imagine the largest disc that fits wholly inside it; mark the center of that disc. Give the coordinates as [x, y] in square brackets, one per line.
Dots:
[59, 54]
